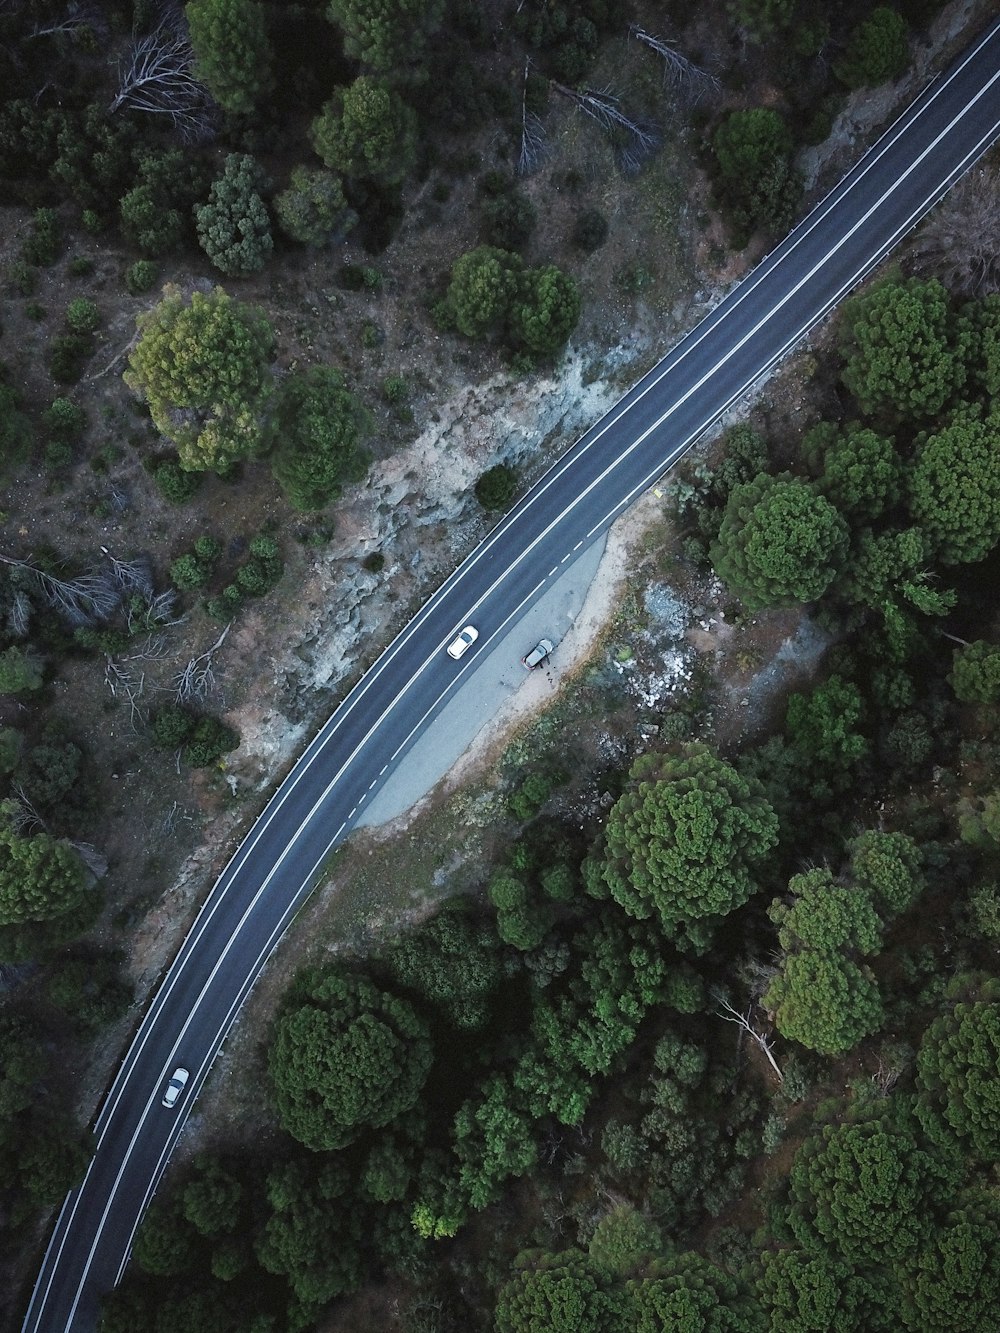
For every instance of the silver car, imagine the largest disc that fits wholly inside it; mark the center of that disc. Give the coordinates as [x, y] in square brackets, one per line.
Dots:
[538, 654]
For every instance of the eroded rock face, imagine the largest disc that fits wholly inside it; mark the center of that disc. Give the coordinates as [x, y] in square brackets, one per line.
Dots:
[418, 509]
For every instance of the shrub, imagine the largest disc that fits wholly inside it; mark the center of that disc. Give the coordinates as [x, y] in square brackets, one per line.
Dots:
[35, 310]
[509, 220]
[208, 741]
[497, 486]
[374, 562]
[23, 278]
[141, 276]
[396, 389]
[67, 354]
[44, 241]
[590, 230]
[80, 267]
[188, 572]
[58, 455]
[172, 726]
[64, 420]
[82, 315]
[174, 484]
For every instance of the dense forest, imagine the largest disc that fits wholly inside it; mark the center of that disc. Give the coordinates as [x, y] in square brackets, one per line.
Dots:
[723, 1057]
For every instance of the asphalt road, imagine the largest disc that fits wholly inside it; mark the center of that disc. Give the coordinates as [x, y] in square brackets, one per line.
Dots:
[914, 163]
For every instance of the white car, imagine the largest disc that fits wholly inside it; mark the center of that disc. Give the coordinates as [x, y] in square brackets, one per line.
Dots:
[461, 645]
[175, 1087]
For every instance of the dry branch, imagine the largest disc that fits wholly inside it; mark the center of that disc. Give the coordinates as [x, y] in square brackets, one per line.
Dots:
[731, 1015]
[688, 80]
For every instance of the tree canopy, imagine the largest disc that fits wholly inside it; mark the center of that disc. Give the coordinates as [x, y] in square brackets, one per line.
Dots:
[386, 35]
[234, 228]
[958, 1066]
[975, 673]
[345, 1055]
[318, 427]
[759, 185]
[901, 358]
[203, 367]
[683, 841]
[780, 542]
[232, 51]
[312, 209]
[367, 130]
[554, 1293]
[954, 487]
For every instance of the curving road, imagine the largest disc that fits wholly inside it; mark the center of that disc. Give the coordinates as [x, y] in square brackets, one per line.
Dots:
[916, 161]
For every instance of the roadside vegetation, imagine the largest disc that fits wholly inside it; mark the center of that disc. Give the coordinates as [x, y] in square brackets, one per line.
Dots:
[525, 1111]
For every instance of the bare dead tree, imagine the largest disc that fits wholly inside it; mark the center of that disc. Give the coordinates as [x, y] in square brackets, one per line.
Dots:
[19, 614]
[86, 600]
[197, 680]
[682, 76]
[960, 241]
[532, 133]
[95, 861]
[156, 76]
[135, 575]
[77, 16]
[730, 1015]
[123, 683]
[20, 814]
[635, 140]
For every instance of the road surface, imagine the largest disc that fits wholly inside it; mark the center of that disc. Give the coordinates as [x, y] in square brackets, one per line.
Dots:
[916, 161]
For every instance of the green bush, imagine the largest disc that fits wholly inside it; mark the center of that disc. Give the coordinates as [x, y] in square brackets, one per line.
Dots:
[44, 241]
[58, 455]
[67, 354]
[82, 315]
[497, 486]
[80, 267]
[174, 484]
[395, 389]
[35, 310]
[509, 220]
[590, 230]
[188, 572]
[23, 278]
[374, 562]
[209, 740]
[64, 420]
[141, 276]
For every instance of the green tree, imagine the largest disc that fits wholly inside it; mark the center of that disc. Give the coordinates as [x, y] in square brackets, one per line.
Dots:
[317, 431]
[11, 743]
[822, 727]
[313, 1237]
[955, 487]
[545, 311]
[452, 962]
[165, 1244]
[552, 1293]
[954, 1284]
[958, 1065]
[781, 542]
[497, 486]
[877, 50]
[808, 1293]
[860, 471]
[826, 916]
[387, 35]
[888, 867]
[865, 1189]
[233, 228]
[982, 321]
[824, 1001]
[492, 1141]
[367, 130]
[344, 1055]
[156, 212]
[312, 209]
[689, 1292]
[624, 1241]
[683, 841]
[208, 741]
[762, 18]
[888, 572]
[64, 420]
[760, 188]
[20, 670]
[211, 1200]
[821, 996]
[484, 284]
[41, 879]
[975, 673]
[232, 52]
[901, 359]
[15, 428]
[204, 369]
